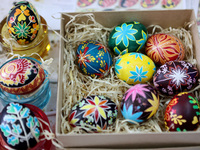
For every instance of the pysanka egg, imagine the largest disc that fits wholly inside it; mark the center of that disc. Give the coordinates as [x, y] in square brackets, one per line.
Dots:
[175, 76]
[140, 103]
[23, 22]
[94, 59]
[182, 113]
[21, 76]
[19, 127]
[127, 37]
[162, 48]
[135, 68]
[93, 114]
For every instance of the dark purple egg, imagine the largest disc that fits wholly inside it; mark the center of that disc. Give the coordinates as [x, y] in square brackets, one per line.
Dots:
[175, 76]
[182, 113]
[140, 103]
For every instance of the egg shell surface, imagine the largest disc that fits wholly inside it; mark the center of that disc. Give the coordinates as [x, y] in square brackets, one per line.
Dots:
[140, 103]
[21, 76]
[162, 48]
[16, 123]
[127, 37]
[23, 22]
[182, 113]
[94, 59]
[135, 68]
[175, 76]
[94, 113]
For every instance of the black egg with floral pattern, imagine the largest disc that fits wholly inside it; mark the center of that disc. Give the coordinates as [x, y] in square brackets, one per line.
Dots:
[93, 114]
[23, 22]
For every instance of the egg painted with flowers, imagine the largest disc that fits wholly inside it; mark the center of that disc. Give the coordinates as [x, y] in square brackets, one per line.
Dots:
[94, 59]
[182, 113]
[21, 76]
[19, 127]
[127, 37]
[135, 68]
[162, 48]
[140, 103]
[175, 76]
[23, 22]
[93, 113]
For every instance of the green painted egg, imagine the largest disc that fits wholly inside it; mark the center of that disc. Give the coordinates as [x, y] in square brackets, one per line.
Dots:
[127, 37]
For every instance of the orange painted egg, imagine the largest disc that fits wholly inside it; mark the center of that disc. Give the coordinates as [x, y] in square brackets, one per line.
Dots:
[162, 48]
[21, 76]
[182, 113]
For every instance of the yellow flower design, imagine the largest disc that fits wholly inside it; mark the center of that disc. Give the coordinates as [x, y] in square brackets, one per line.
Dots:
[22, 12]
[154, 105]
[177, 119]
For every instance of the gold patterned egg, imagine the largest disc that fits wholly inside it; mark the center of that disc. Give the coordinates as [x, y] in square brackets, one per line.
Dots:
[23, 22]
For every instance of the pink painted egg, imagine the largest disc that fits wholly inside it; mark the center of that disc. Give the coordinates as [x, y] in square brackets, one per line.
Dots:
[21, 76]
[182, 113]
[162, 48]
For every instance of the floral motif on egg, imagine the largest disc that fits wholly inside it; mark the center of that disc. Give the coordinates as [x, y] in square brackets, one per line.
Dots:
[170, 3]
[148, 3]
[134, 68]
[175, 76]
[140, 103]
[19, 127]
[106, 3]
[21, 76]
[94, 59]
[127, 37]
[162, 48]
[176, 118]
[127, 3]
[93, 113]
[85, 3]
[23, 23]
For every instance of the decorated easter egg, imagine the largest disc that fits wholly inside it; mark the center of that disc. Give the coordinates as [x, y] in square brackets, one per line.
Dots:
[127, 3]
[127, 37]
[175, 76]
[162, 48]
[106, 3]
[19, 127]
[182, 113]
[21, 76]
[85, 3]
[94, 59]
[148, 3]
[170, 3]
[23, 22]
[135, 68]
[93, 113]
[140, 103]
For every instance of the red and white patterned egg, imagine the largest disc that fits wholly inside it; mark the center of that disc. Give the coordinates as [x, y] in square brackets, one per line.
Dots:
[175, 76]
[162, 48]
[21, 76]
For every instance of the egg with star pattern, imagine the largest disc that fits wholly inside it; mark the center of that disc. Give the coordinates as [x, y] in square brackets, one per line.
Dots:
[140, 103]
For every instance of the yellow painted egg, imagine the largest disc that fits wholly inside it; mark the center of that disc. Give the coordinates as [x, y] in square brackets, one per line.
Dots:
[135, 68]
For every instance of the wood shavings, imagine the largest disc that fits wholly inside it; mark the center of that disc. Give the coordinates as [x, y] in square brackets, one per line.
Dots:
[76, 85]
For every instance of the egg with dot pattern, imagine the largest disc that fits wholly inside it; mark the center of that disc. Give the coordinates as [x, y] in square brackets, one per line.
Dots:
[135, 68]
